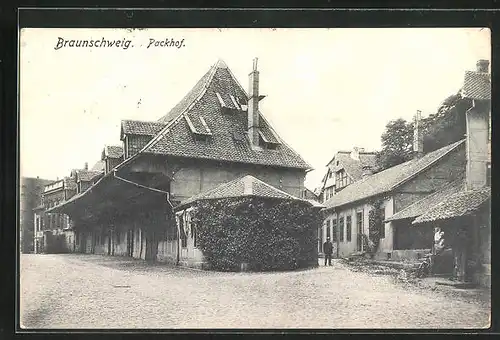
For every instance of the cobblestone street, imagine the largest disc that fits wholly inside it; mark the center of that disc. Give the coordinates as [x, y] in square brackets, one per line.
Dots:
[87, 291]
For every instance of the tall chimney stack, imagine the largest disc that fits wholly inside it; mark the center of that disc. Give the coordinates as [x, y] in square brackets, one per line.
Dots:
[482, 65]
[418, 135]
[253, 106]
[86, 167]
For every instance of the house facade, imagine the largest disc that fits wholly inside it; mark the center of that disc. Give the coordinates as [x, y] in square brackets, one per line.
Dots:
[54, 231]
[464, 215]
[345, 168]
[30, 197]
[347, 214]
[47, 226]
[215, 134]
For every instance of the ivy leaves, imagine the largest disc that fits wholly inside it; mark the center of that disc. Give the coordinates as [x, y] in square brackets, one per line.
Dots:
[267, 234]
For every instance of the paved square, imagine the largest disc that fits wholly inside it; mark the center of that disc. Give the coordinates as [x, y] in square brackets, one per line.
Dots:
[88, 291]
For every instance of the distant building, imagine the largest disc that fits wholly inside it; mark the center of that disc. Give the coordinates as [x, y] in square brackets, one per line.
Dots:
[345, 168]
[30, 193]
[53, 231]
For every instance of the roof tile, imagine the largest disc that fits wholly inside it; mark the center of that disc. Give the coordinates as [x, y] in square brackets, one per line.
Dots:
[477, 85]
[114, 151]
[142, 128]
[177, 139]
[244, 186]
[422, 206]
[87, 176]
[456, 205]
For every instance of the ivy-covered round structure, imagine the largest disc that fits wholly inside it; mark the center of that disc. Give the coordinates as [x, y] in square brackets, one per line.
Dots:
[248, 224]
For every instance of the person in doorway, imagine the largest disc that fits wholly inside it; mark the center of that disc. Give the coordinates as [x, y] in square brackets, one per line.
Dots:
[328, 250]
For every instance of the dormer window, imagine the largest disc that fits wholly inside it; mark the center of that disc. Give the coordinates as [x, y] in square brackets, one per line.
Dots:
[235, 103]
[268, 142]
[198, 127]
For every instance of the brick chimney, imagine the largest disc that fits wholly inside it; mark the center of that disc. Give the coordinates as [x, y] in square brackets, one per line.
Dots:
[253, 106]
[418, 135]
[86, 167]
[482, 65]
[477, 138]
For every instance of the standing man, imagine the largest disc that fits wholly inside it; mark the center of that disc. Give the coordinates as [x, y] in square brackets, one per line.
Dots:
[327, 250]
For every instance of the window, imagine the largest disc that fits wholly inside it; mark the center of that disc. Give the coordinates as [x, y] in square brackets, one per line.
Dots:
[359, 222]
[348, 227]
[382, 225]
[341, 179]
[341, 229]
[334, 229]
[328, 228]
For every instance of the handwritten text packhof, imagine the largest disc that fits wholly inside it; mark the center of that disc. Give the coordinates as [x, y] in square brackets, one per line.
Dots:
[124, 43]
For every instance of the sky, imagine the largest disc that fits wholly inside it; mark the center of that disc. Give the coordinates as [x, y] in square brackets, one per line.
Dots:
[326, 89]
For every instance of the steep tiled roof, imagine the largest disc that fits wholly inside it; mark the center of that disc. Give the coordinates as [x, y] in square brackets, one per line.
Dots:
[113, 151]
[229, 140]
[459, 204]
[244, 186]
[388, 179]
[188, 98]
[137, 127]
[477, 85]
[354, 167]
[87, 176]
[422, 206]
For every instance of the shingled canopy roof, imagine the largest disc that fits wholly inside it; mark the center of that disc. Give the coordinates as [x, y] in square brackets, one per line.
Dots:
[240, 187]
[201, 110]
[389, 179]
[463, 203]
[118, 195]
[422, 206]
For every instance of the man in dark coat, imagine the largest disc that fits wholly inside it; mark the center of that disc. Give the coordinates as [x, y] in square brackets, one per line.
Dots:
[328, 250]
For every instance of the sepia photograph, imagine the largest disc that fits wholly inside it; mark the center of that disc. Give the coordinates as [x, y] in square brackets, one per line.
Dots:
[254, 178]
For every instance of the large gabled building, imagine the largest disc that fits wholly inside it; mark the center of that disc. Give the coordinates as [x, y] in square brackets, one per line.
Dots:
[215, 134]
